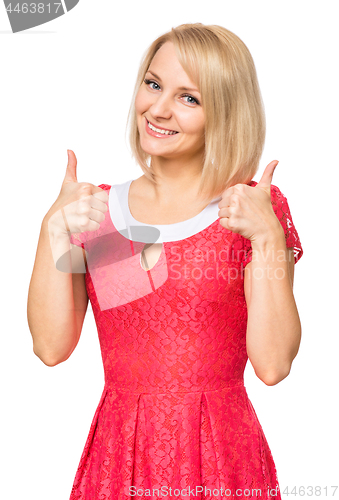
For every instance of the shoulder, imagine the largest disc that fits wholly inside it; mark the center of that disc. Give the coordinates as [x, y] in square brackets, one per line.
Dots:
[275, 191]
[106, 187]
[119, 186]
[282, 211]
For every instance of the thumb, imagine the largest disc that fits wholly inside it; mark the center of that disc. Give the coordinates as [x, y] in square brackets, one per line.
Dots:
[71, 170]
[267, 176]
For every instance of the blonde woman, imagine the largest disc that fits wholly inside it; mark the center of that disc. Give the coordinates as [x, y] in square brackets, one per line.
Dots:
[189, 269]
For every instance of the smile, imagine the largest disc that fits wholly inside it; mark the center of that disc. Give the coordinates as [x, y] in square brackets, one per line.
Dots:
[158, 132]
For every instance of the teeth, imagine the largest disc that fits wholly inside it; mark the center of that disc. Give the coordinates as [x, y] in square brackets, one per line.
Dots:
[160, 131]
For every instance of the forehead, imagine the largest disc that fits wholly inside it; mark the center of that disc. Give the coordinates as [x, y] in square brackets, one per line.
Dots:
[166, 64]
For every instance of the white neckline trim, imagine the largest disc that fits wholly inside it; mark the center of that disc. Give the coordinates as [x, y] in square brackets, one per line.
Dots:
[126, 224]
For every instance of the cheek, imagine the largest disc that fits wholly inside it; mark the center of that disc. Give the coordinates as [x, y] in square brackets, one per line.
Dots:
[192, 124]
[141, 102]
[195, 129]
[200, 126]
[137, 102]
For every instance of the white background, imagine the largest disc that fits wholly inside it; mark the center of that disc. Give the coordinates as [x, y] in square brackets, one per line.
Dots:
[68, 85]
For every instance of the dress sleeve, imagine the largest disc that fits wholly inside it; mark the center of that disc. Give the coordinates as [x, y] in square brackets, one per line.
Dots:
[282, 211]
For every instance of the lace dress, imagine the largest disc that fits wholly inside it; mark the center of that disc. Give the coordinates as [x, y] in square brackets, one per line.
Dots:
[174, 418]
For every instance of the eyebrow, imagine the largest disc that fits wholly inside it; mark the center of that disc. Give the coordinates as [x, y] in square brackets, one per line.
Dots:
[180, 88]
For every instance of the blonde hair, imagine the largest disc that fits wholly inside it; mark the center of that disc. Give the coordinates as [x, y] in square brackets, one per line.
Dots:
[222, 68]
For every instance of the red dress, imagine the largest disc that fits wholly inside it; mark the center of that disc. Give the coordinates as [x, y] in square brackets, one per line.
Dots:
[174, 418]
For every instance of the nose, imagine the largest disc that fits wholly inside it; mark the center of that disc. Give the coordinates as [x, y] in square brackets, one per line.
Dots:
[162, 106]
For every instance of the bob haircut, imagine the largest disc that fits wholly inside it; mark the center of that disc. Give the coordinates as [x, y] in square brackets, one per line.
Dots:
[222, 68]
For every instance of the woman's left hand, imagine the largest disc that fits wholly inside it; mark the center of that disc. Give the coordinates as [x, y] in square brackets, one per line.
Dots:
[248, 210]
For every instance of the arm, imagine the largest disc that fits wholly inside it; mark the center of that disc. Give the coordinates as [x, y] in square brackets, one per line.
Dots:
[57, 301]
[273, 329]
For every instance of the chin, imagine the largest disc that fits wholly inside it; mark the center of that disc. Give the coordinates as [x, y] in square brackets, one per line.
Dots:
[151, 149]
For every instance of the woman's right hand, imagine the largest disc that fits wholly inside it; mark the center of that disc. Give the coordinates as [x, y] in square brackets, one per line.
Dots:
[84, 204]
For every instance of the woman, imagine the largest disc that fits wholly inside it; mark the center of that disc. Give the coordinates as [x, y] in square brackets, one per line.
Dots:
[189, 270]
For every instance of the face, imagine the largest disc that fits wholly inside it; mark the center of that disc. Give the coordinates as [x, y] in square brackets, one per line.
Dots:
[162, 103]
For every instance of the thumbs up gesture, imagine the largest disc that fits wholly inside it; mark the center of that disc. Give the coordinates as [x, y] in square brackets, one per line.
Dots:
[248, 210]
[83, 204]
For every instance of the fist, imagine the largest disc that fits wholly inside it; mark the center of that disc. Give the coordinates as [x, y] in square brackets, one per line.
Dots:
[83, 204]
[247, 210]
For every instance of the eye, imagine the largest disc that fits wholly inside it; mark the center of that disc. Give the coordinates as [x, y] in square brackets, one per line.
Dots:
[191, 97]
[148, 82]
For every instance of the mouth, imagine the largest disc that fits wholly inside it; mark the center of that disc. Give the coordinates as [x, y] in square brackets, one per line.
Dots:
[159, 131]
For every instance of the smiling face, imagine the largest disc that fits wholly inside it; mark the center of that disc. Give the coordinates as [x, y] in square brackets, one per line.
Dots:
[163, 102]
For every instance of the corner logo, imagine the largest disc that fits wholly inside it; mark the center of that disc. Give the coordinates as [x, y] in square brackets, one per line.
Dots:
[25, 15]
